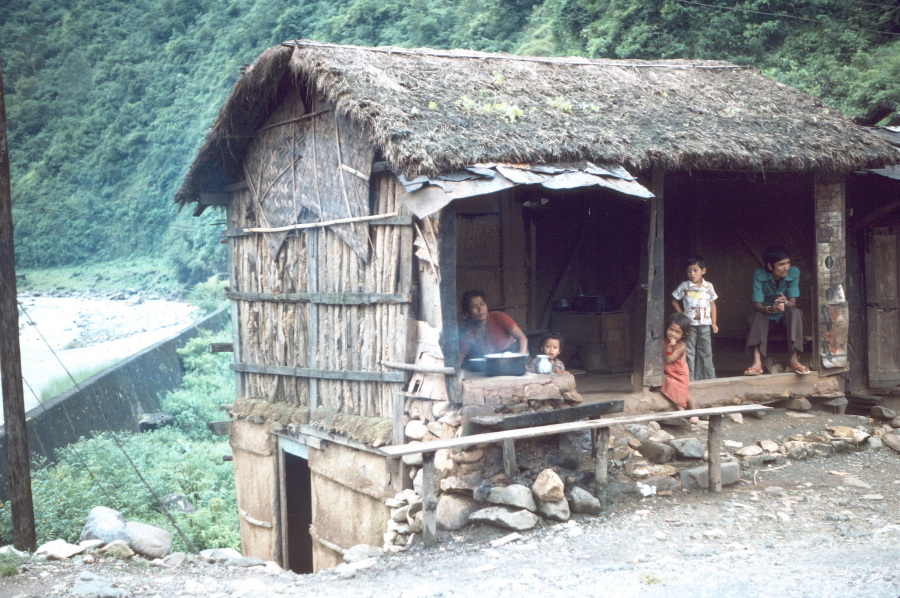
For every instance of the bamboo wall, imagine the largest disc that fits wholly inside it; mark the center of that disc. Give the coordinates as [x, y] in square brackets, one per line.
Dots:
[353, 338]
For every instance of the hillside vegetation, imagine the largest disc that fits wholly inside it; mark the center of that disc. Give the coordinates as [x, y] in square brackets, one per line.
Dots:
[107, 100]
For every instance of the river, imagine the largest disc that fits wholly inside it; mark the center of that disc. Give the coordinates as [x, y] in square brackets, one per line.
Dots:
[75, 333]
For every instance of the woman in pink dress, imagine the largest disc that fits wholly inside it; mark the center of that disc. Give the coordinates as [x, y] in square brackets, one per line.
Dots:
[675, 386]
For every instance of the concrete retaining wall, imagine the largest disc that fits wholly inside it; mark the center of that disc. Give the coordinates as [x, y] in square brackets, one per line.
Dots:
[113, 399]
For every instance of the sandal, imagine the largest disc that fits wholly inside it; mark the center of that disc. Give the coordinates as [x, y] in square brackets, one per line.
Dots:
[800, 370]
[752, 371]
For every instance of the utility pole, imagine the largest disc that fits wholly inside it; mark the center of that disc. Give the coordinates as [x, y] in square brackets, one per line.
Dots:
[16, 433]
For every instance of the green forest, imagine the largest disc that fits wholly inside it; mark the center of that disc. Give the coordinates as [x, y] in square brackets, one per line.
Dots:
[108, 100]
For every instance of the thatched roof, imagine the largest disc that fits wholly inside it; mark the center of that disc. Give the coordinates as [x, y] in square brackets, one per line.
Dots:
[432, 111]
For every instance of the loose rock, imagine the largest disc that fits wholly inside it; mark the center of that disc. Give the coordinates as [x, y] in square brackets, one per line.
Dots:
[148, 540]
[89, 583]
[59, 550]
[892, 441]
[688, 448]
[656, 451]
[698, 477]
[506, 518]
[104, 524]
[582, 501]
[515, 495]
[454, 511]
[879, 412]
[548, 486]
[554, 510]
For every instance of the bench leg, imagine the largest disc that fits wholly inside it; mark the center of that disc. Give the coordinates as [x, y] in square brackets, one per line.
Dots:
[601, 454]
[429, 502]
[509, 459]
[714, 442]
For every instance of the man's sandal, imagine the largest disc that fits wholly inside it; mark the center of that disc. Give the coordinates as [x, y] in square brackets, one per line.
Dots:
[752, 371]
[800, 370]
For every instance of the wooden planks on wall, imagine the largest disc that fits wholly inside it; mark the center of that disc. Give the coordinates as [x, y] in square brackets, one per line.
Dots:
[832, 317]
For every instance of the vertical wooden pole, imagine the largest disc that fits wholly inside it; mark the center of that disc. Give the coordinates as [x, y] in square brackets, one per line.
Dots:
[509, 459]
[234, 283]
[830, 318]
[16, 431]
[312, 286]
[653, 362]
[429, 502]
[601, 455]
[714, 441]
[449, 321]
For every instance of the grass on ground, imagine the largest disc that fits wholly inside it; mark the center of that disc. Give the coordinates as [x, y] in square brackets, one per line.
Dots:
[144, 273]
[60, 384]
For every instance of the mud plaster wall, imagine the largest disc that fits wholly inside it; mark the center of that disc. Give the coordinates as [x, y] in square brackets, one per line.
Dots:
[348, 492]
[256, 486]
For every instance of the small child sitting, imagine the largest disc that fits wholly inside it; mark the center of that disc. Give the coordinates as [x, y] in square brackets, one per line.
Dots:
[675, 386]
[699, 299]
[551, 346]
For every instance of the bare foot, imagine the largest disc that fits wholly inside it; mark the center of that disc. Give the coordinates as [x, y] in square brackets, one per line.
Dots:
[694, 420]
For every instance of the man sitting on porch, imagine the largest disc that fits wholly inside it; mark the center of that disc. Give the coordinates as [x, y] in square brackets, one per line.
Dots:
[775, 291]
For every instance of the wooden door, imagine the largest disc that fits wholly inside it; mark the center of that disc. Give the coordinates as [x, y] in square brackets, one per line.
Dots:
[883, 306]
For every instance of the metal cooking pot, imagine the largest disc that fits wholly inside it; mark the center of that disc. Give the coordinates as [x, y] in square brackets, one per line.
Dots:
[476, 364]
[506, 364]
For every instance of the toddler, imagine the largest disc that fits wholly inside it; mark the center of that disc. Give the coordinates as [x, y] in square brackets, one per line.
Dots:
[551, 346]
[699, 299]
[675, 385]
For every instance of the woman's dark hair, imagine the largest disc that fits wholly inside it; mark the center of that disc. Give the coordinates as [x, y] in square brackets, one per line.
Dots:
[683, 322]
[774, 254]
[468, 296]
[555, 336]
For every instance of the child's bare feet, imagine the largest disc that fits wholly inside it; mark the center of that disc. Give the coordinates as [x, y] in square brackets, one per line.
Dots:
[694, 420]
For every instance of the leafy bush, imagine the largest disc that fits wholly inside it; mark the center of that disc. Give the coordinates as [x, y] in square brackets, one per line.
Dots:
[207, 384]
[208, 296]
[184, 459]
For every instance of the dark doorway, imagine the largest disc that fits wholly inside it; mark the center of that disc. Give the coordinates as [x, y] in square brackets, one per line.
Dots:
[298, 494]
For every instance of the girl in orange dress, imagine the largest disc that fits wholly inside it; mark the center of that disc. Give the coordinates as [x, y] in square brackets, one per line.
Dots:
[675, 386]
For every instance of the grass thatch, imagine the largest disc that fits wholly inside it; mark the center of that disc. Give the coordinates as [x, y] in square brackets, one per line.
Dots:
[431, 112]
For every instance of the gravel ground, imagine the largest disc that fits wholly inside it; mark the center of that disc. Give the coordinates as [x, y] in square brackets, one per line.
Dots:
[822, 527]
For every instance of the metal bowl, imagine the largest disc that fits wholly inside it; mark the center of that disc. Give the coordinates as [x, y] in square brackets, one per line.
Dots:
[506, 364]
[476, 364]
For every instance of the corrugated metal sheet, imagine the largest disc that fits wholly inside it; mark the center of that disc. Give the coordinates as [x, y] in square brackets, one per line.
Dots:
[424, 196]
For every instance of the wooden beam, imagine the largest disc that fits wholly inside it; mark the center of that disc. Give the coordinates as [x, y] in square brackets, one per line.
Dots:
[425, 369]
[509, 459]
[397, 431]
[323, 298]
[235, 306]
[714, 443]
[221, 347]
[17, 457]
[239, 186]
[653, 360]
[449, 323]
[429, 502]
[489, 437]
[401, 220]
[312, 312]
[551, 416]
[283, 370]
[601, 464]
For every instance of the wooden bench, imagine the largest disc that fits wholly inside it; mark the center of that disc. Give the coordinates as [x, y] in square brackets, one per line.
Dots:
[599, 435]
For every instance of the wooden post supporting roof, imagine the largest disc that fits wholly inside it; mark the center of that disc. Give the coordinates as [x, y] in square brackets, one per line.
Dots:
[653, 361]
[16, 433]
[830, 303]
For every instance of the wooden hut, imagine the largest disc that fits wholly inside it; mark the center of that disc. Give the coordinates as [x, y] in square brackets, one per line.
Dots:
[367, 188]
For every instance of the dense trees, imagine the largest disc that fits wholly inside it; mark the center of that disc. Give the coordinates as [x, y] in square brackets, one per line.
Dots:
[108, 100]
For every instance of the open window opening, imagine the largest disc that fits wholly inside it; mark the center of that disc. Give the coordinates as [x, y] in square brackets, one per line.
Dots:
[561, 261]
[730, 219]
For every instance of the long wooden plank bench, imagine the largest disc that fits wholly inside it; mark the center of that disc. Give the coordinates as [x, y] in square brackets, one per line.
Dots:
[600, 436]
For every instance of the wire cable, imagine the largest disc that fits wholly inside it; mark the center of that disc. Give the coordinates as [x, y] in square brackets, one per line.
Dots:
[784, 16]
[112, 436]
